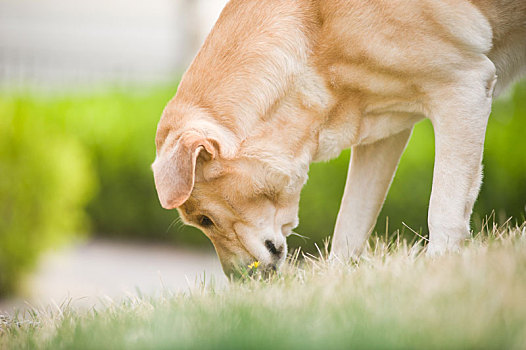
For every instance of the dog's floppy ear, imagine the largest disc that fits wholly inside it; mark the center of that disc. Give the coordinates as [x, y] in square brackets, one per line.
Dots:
[174, 169]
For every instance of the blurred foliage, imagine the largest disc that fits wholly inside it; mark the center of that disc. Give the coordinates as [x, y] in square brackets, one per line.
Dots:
[46, 179]
[116, 129]
[503, 189]
[56, 149]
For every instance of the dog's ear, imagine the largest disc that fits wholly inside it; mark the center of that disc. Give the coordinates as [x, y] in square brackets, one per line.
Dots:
[174, 169]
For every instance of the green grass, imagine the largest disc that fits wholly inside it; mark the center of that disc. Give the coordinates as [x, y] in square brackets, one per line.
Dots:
[394, 297]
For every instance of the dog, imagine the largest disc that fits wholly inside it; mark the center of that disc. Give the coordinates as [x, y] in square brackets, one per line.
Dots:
[279, 84]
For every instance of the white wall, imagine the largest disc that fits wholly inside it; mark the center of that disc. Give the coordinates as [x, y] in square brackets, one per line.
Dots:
[70, 41]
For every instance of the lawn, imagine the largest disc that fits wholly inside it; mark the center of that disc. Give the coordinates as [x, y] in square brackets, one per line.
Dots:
[394, 297]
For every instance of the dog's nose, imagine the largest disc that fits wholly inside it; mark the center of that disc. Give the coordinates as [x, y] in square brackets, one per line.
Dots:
[275, 251]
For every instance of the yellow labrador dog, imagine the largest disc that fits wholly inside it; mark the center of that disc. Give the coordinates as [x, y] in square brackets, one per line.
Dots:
[279, 84]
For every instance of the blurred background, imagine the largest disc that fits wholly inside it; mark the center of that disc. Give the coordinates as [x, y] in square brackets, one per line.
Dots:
[82, 87]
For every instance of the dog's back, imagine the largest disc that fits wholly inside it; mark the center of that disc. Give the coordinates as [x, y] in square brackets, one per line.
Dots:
[508, 22]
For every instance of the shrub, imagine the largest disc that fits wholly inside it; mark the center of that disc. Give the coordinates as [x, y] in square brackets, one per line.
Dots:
[115, 129]
[119, 130]
[503, 189]
[45, 183]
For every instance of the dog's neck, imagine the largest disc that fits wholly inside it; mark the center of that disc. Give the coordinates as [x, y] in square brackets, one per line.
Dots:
[248, 63]
[257, 77]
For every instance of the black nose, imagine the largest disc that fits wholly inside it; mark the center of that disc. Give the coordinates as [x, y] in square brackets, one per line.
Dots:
[273, 250]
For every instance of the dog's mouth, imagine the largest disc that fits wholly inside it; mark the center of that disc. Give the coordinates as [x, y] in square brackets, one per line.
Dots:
[253, 269]
[243, 263]
[241, 273]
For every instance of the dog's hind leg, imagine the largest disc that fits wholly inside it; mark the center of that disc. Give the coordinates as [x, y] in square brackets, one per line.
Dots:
[459, 118]
[371, 172]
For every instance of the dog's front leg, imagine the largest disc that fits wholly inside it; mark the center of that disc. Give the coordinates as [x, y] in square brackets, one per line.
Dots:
[370, 174]
[459, 121]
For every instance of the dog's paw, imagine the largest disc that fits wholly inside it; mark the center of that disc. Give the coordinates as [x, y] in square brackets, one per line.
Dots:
[437, 249]
[434, 250]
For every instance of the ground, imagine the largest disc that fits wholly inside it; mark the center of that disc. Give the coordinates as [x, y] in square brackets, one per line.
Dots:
[88, 273]
[394, 297]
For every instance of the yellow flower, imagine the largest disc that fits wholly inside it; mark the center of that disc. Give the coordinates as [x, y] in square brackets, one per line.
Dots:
[254, 265]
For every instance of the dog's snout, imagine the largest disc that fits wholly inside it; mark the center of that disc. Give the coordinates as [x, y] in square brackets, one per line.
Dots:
[286, 229]
[275, 251]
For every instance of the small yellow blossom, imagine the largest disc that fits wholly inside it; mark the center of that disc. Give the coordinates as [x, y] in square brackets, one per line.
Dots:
[254, 265]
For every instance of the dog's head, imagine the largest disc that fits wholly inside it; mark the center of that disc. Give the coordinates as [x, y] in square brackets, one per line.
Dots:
[233, 146]
[244, 202]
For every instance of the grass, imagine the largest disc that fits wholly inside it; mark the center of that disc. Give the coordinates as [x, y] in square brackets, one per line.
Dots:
[394, 297]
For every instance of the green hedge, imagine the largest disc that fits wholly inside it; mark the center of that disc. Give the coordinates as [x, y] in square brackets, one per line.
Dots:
[503, 189]
[116, 128]
[56, 149]
[45, 183]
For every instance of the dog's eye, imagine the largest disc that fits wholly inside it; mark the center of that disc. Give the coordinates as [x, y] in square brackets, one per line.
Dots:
[205, 221]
